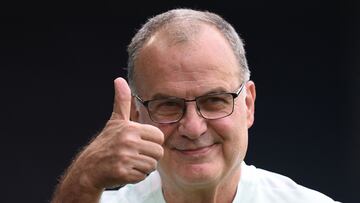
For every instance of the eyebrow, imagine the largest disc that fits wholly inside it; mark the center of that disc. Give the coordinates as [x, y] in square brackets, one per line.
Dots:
[211, 91]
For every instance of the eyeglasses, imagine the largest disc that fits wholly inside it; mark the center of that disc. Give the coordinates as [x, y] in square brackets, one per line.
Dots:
[171, 110]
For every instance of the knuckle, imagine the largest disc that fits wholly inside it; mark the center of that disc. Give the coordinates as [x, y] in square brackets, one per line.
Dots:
[129, 141]
[124, 159]
[160, 135]
[127, 127]
[161, 139]
[121, 173]
[153, 165]
[159, 152]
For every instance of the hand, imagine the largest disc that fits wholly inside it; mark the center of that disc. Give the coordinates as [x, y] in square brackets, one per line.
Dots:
[125, 151]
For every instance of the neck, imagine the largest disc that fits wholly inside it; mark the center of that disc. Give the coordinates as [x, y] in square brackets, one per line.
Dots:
[223, 191]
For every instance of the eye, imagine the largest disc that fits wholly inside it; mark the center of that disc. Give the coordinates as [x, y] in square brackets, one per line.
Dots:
[170, 103]
[215, 99]
[214, 102]
[166, 105]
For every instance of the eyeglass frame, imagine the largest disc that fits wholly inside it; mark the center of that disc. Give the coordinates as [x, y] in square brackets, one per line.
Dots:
[198, 110]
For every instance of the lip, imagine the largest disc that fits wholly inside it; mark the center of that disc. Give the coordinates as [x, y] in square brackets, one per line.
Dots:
[201, 151]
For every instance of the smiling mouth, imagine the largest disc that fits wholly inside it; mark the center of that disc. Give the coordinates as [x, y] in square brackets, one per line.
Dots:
[197, 151]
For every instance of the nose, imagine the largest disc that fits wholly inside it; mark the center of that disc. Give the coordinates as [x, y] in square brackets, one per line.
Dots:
[192, 125]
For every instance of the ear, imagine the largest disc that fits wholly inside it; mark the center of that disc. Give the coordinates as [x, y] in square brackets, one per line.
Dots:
[134, 112]
[250, 102]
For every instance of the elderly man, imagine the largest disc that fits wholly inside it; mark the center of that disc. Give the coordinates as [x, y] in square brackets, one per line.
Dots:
[181, 133]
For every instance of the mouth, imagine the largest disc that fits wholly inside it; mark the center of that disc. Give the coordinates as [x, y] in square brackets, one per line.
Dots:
[196, 152]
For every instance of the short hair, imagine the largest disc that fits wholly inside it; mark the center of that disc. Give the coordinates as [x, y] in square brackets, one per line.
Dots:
[185, 18]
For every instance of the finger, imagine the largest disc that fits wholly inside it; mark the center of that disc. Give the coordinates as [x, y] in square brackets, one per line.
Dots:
[144, 164]
[135, 176]
[122, 99]
[151, 150]
[152, 133]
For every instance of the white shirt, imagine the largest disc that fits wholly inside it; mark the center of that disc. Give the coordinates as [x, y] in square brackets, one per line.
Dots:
[255, 186]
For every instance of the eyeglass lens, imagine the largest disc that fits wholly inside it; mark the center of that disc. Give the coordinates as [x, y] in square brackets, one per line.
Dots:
[210, 107]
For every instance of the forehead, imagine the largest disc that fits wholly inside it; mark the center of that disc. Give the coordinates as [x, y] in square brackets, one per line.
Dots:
[200, 63]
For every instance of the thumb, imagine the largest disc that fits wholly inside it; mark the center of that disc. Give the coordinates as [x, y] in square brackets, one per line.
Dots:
[122, 99]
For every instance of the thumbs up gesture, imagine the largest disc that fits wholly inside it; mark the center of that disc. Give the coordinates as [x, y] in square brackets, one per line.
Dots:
[124, 152]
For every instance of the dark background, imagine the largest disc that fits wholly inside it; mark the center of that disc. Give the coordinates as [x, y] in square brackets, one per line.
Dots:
[59, 59]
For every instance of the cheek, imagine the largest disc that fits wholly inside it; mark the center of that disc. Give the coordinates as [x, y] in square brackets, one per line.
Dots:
[231, 127]
[234, 133]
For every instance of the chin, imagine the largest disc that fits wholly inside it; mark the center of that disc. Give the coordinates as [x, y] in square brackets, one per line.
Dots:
[201, 167]
[198, 174]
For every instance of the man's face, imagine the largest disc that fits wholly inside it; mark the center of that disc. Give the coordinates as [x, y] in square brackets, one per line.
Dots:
[196, 151]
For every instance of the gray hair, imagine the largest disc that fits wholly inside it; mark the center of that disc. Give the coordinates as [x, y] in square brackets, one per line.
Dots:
[179, 19]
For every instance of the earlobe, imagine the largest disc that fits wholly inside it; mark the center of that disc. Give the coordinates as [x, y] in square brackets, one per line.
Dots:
[134, 113]
[250, 102]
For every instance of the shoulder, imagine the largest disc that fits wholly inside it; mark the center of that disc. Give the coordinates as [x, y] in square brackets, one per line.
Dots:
[148, 190]
[272, 187]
